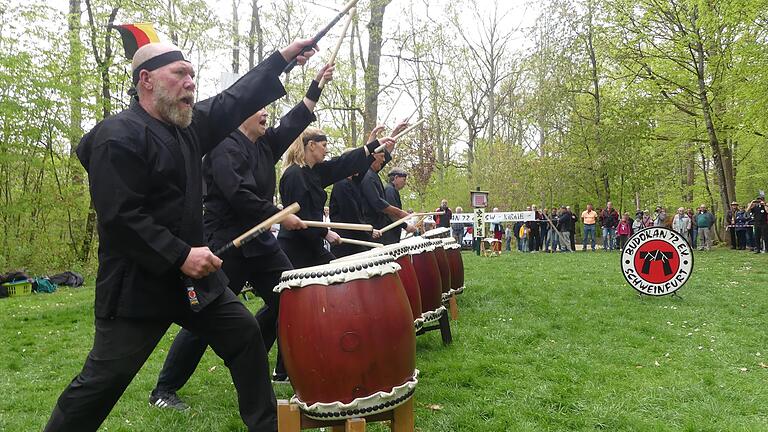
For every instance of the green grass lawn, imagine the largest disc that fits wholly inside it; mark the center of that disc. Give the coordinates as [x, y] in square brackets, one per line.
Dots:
[543, 342]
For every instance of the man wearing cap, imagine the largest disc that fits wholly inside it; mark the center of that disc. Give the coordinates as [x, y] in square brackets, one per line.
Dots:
[397, 178]
[145, 182]
[377, 210]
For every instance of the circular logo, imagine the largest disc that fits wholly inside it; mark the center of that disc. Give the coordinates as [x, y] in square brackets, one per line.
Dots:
[657, 261]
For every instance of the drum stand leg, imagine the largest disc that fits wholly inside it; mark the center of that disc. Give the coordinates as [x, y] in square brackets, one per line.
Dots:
[453, 307]
[444, 325]
[291, 419]
[445, 329]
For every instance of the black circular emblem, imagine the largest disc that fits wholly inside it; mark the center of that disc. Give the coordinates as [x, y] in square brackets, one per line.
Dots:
[657, 261]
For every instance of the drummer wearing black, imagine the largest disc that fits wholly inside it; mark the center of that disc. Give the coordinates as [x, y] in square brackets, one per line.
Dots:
[154, 269]
[397, 177]
[377, 210]
[240, 181]
[346, 206]
[304, 180]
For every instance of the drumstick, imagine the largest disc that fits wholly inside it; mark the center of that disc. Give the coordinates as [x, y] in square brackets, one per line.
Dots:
[380, 148]
[338, 44]
[395, 223]
[416, 110]
[260, 228]
[399, 221]
[339, 225]
[360, 243]
[320, 34]
[428, 214]
[393, 106]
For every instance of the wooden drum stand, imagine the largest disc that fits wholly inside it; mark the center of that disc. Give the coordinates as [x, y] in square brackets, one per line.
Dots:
[291, 419]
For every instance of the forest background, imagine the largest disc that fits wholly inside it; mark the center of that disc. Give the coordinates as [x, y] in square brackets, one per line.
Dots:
[641, 102]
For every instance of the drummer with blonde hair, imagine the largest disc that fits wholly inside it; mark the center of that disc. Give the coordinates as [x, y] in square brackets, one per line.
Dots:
[306, 175]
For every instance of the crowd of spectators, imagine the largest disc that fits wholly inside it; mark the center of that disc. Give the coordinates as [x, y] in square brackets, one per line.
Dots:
[554, 230]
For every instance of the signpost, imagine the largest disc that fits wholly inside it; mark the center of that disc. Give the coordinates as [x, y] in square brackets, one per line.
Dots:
[479, 201]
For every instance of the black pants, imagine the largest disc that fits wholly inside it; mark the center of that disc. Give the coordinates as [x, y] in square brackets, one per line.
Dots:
[188, 348]
[573, 239]
[305, 253]
[741, 239]
[122, 345]
[622, 241]
[534, 241]
[761, 236]
[734, 240]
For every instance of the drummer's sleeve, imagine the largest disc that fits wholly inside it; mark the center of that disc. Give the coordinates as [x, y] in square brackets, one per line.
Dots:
[371, 194]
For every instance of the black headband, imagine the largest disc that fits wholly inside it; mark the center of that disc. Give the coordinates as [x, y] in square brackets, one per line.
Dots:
[315, 138]
[158, 62]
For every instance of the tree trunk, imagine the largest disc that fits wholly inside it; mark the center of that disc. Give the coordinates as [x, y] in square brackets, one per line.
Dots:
[76, 77]
[353, 91]
[720, 160]
[75, 58]
[235, 38]
[375, 39]
[255, 36]
[598, 101]
[172, 21]
[103, 63]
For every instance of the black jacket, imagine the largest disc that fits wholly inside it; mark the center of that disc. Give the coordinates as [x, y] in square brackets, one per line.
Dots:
[392, 195]
[346, 206]
[146, 188]
[374, 201]
[306, 186]
[240, 180]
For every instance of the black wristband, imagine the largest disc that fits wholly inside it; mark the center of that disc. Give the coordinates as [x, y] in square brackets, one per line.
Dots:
[313, 92]
[372, 146]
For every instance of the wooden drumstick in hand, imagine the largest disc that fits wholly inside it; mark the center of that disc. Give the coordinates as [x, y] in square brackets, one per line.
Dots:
[338, 44]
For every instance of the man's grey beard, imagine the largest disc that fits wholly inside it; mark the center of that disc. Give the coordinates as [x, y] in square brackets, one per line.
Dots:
[169, 110]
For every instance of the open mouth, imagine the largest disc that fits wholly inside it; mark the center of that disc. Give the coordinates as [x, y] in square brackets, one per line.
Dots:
[263, 122]
[188, 100]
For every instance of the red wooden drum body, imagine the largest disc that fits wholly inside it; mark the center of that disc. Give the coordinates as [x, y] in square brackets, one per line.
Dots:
[456, 264]
[347, 339]
[407, 273]
[442, 265]
[428, 274]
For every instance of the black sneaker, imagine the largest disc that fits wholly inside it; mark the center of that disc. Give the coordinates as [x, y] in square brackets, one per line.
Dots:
[167, 400]
[280, 378]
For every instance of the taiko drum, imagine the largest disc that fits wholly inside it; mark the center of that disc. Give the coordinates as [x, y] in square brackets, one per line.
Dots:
[456, 264]
[347, 339]
[422, 253]
[407, 273]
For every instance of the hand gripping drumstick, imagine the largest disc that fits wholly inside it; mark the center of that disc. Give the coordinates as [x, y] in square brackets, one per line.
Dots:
[322, 33]
[400, 221]
[361, 243]
[260, 228]
[339, 225]
[338, 44]
[249, 235]
[380, 148]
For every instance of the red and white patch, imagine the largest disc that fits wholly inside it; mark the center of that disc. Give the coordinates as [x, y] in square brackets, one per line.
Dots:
[657, 261]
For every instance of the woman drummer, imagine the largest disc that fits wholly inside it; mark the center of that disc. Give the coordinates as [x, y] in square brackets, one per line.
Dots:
[304, 179]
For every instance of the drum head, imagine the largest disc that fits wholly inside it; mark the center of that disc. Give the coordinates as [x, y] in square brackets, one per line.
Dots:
[337, 273]
[438, 233]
